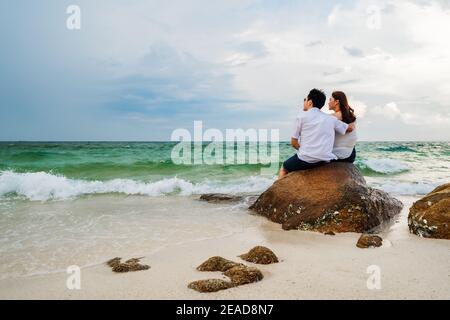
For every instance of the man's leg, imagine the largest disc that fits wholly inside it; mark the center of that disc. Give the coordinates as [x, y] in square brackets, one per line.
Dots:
[295, 164]
[282, 172]
[291, 164]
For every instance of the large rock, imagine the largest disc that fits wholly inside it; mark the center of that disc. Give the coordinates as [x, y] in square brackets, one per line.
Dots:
[430, 216]
[333, 197]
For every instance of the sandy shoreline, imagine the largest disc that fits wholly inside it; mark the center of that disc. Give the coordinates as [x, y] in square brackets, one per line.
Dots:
[313, 266]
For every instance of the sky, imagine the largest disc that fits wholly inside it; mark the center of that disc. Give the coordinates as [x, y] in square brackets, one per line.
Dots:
[138, 70]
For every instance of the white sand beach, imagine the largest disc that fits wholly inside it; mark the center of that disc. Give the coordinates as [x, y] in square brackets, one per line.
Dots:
[312, 266]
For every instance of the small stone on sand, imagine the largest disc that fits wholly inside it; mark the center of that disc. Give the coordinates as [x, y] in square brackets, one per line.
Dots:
[260, 255]
[210, 285]
[217, 264]
[240, 275]
[369, 240]
[129, 265]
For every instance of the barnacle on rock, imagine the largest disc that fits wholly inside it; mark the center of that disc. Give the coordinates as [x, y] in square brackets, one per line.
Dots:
[260, 255]
[210, 285]
[369, 240]
[217, 264]
[129, 265]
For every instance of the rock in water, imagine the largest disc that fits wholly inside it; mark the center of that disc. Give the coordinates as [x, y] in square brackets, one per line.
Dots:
[260, 255]
[217, 264]
[333, 197]
[369, 240]
[219, 197]
[210, 285]
[430, 216]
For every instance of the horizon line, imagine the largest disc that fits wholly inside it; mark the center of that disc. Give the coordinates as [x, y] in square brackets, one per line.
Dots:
[148, 141]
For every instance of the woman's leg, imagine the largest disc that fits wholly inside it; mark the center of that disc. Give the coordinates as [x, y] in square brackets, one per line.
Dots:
[350, 159]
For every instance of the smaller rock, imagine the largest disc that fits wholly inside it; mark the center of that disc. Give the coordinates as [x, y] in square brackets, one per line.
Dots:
[241, 274]
[429, 217]
[329, 233]
[219, 197]
[113, 262]
[129, 265]
[369, 240]
[238, 273]
[260, 255]
[210, 285]
[217, 264]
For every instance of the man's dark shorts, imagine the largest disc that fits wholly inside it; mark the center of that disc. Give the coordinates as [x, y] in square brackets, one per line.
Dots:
[295, 164]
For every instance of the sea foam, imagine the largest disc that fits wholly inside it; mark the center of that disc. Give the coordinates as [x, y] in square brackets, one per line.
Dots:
[385, 166]
[408, 188]
[43, 186]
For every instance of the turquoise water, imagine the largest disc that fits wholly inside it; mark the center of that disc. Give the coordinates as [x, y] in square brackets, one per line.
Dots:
[54, 170]
[83, 203]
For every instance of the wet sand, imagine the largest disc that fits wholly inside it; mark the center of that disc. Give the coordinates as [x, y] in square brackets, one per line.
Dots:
[312, 266]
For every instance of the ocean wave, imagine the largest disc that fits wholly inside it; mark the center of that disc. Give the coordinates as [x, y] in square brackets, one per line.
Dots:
[408, 188]
[382, 166]
[397, 148]
[41, 186]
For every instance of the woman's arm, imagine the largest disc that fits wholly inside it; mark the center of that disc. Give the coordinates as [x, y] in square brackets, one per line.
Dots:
[294, 143]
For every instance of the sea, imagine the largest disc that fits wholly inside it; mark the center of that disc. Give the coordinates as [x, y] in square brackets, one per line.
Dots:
[81, 203]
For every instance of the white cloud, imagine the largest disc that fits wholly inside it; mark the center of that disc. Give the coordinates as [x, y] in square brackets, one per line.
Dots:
[391, 112]
[402, 60]
[333, 16]
[359, 107]
[270, 56]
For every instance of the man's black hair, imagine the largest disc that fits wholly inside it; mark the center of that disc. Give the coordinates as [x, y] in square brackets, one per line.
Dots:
[317, 97]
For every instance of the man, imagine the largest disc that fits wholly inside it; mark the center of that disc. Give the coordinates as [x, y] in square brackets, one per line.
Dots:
[314, 135]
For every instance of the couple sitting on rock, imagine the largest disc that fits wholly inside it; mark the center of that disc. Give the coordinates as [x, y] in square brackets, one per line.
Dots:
[320, 137]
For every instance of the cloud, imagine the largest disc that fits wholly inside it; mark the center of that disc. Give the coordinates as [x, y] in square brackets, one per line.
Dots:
[354, 52]
[313, 43]
[391, 112]
[167, 82]
[359, 107]
[333, 16]
[333, 72]
[247, 52]
[135, 65]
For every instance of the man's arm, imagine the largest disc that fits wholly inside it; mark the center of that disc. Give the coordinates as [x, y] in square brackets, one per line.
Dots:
[296, 134]
[351, 127]
[294, 143]
[342, 127]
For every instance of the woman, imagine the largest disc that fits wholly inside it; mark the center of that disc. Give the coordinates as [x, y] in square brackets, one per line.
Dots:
[344, 144]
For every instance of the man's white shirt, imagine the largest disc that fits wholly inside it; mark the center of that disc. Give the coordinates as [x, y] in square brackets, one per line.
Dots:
[315, 131]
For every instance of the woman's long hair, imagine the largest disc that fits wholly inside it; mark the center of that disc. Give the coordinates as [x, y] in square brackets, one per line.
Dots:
[348, 114]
